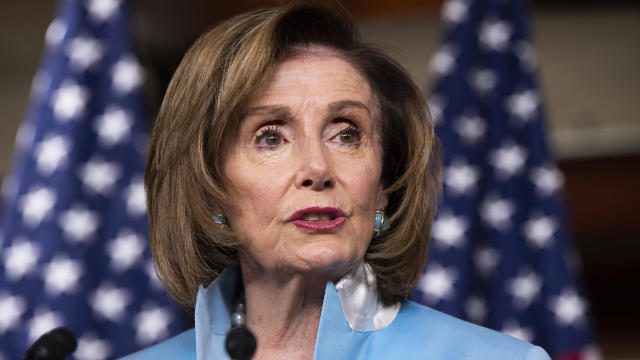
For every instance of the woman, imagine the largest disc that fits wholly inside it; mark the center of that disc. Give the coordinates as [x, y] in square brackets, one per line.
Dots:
[296, 165]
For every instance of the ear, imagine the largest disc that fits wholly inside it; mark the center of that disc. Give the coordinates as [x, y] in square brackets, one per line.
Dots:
[381, 198]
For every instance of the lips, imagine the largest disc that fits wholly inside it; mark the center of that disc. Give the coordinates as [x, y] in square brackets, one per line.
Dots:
[318, 219]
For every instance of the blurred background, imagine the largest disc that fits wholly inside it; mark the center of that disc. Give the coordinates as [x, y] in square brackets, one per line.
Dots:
[589, 56]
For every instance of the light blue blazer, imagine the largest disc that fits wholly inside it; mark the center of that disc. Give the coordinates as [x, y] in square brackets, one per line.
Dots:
[417, 332]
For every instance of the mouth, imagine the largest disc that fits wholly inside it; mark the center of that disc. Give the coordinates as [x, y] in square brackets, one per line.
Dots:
[318, 219]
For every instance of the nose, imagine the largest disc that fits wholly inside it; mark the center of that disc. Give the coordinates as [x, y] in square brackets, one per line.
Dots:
[315, 171]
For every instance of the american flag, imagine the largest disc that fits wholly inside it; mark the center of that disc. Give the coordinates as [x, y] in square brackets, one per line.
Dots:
[500, 254]
[74, 227]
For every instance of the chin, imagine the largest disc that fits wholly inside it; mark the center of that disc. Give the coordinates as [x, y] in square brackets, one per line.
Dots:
[332, 260]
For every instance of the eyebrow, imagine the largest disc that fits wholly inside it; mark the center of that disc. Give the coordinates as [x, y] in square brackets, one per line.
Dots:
[283, 111]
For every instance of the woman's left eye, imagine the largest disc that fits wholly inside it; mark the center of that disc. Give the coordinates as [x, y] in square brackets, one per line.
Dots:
[351, 136]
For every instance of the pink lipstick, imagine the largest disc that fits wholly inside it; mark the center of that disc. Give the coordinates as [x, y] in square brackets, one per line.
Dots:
[318, 219]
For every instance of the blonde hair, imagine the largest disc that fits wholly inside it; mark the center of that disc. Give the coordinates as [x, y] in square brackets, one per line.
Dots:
[204, 104]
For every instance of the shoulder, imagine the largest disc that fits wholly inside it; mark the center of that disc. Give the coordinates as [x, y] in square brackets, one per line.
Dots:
[443, 336]
[181, 346]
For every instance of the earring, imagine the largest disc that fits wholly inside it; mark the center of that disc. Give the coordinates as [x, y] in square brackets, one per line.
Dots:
[381, 222]
[219, 219]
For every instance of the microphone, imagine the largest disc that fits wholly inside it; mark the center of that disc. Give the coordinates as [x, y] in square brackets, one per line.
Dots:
[240, 342]
[53, 345]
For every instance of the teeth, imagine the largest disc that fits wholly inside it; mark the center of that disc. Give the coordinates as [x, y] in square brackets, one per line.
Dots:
[317, 217]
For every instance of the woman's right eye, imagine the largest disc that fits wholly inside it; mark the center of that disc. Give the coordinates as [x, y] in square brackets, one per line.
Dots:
[269, 138]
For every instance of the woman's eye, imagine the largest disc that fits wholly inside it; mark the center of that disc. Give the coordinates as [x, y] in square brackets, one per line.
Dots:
[269, 138]
[350, 136]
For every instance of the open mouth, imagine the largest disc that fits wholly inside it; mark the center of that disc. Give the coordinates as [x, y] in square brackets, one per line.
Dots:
[318, 219]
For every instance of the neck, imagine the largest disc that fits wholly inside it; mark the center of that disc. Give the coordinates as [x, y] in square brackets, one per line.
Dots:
[283, 312]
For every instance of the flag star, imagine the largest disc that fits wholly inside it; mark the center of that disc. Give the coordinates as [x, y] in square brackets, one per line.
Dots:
[150, 270]
[42, 322]
[476, 309]
[437, 283]
[127, 75]
[36, 205]
[436, 107]
[125, 250]
[51, 152]
[113, 126]
[152, 325]
[20, 258]
[136, 198]
[448, 229]
[495, 35]
[497, 212]
[79, 223]
[527, 55]
[25, 135]
[525, 288]
[61, 275]
[547, 179]
[444, 60]
[455, 11]
[486, 259]
[40, 84]
[483, 80]
[523, 105]
[55, 33]
[110, 302]
[512, 328]
[11, 308]
[69, 101]
[92, 348]
[539, 231]
[101, 10]
[508, 160]
[568, 307]
[99, 176]
[84, 51]
[470, 128]
[460, 177]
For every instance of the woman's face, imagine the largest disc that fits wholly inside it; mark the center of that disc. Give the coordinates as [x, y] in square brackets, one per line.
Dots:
[305, 169]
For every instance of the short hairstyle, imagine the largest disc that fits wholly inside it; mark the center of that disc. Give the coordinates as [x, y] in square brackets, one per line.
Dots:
[204, 103]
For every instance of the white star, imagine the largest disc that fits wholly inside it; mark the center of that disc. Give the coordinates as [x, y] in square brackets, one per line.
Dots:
[78, 223]
[495, 35]
[42, 322]
[125, 250]
[51, 152]
[99, 176]
[11, 308]
[84, 51]
[444, 60]
[476, 309]
[454, 11]
[92, 348]
[152, 324]
[512, 328]
[40, 85]
[497, 212]
[486, 259]
[436, 107]
[539, 231]
[525, 288]
[523, 105]
[127, 75]
[101, 10]
[527, 55]
[460, 177]
[136, 197]
[547, 179]
[568, 307]
[150, 270]
[437, 283]
[36, 205]
[61, 275]
[448, 229]
[55, 33]
[25, 135]
[483, 80]
[470, 128]
[110, 302]
[508, 160]
[69, 101]
[20, 258]
[113, 126]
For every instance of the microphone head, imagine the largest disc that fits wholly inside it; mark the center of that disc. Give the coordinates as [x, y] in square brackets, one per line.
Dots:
[56, 344]
[240, 343]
